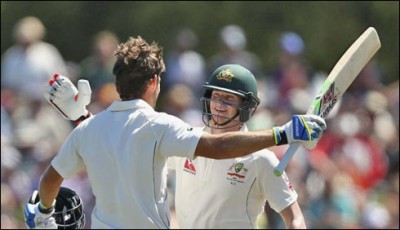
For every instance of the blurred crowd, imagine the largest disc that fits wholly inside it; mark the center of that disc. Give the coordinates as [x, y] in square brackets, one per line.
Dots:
[350, 180]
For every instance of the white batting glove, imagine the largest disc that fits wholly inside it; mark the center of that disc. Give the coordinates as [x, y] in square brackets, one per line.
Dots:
[311, 144]
[35, 219]
[67, 99]
[307, 129]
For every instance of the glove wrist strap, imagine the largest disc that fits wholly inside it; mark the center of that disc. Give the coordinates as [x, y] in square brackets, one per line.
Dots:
[279, 136]
[82, 118]
[43, 209]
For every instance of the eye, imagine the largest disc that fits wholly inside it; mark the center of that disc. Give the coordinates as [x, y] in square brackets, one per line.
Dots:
[230, 103]
[215, 97]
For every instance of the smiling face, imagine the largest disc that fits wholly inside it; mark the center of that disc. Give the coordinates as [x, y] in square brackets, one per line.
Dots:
[224, 107]
[230, 97]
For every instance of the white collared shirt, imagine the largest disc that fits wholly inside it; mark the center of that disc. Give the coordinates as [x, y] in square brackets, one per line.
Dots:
[125, 149]
[228, 193]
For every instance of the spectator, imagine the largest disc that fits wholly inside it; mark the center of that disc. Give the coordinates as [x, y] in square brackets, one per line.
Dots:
[97, 68]
[32, 132]
[234, 51]
[184, 64]
[27, 65]
[291, 80]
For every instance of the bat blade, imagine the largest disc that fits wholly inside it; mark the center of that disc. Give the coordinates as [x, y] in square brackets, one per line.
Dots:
[339, 79]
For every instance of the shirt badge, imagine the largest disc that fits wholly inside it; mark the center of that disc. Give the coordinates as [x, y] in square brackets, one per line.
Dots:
[236, 173]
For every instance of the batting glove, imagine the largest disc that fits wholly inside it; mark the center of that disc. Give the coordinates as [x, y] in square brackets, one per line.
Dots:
[35, 218]
[67, 99]
[307, 129]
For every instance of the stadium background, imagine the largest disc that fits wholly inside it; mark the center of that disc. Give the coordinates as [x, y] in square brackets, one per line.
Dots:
[327, 29]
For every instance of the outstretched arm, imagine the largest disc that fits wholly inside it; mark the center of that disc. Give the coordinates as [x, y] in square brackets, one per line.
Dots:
[304, 129]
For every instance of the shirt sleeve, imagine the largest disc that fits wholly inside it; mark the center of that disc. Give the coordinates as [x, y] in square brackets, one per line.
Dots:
[171, 163]
[179, 138]
[68, 161]
[278, 191]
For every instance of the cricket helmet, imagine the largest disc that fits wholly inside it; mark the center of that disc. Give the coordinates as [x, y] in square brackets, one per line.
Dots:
[235, 79]
[68, 211]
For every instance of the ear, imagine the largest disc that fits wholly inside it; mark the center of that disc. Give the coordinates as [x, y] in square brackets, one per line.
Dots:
[153, 83]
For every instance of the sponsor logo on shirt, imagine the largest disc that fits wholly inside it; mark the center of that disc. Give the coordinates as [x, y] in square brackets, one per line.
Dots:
[189, 167]
[236, 173]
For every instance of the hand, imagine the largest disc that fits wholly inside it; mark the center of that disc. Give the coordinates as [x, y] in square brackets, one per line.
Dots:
[311, 144]
[307, 129]
[35, 219]
[67, 99]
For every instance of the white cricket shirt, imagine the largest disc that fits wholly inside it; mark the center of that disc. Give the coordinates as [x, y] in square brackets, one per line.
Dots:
[124, 149]
[228, 193]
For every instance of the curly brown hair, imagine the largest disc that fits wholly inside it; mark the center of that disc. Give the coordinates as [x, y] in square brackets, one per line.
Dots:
[137, 62]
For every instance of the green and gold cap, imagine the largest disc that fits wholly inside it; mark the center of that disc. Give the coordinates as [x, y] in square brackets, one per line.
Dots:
[234, 79]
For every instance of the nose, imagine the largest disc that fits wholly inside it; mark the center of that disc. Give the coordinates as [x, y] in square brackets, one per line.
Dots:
[220, 106]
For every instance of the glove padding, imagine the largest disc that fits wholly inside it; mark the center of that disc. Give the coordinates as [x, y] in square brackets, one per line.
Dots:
[67, 99]
[307, 129]
[34, 219]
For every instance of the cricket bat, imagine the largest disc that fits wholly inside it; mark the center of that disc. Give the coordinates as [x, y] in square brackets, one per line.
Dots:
[339, 79]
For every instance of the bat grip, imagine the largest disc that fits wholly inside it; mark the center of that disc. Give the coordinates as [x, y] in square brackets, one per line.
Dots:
[285, 159]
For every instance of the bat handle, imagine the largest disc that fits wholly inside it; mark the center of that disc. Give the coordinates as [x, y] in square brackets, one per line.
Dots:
[285, 159]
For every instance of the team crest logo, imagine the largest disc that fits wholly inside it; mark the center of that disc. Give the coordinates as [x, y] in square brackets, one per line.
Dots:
[238, 167]
[236, 173]
[226, 75]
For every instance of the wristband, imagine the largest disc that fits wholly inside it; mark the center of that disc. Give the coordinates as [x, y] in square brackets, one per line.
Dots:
[279, 136]
[82, 118]
[43, 209]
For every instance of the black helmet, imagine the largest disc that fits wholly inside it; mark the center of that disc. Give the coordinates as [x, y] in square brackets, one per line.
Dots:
[68, 211]
[233, 79]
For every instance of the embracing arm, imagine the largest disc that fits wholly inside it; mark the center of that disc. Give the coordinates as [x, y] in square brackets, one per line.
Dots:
[233, 144]
[306, 129]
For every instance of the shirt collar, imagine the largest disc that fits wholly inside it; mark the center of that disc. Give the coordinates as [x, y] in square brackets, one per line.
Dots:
[126, 105]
